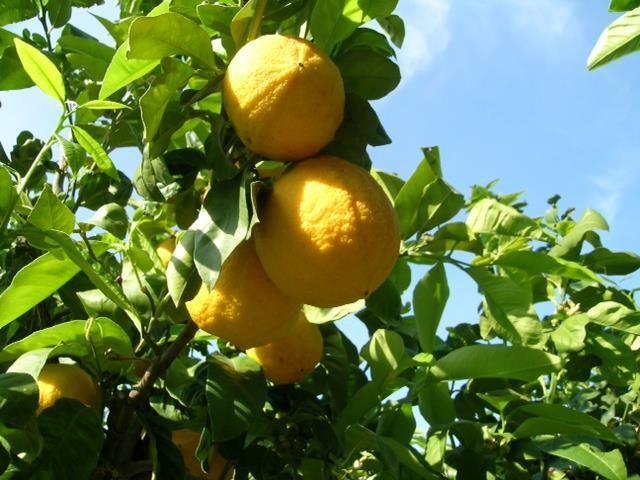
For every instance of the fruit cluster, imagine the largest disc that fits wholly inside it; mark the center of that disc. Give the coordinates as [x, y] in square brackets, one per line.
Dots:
[328, 234]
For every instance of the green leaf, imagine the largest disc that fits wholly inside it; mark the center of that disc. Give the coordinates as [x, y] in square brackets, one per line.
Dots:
[549, 419]
[217, 17]
[394, 26]
[436, 404]
[50, 213]
[156, 99]
[18, 398]
[13, 75]
[409, 198]
[41, 70]
[72, 153]
[386, 355]
[615, 315]
[409, 458]
[167, 459]
[8, 191]
[490, 216]
[111, 290]
[623, 5]
[494, 361]
[122, 71]
[510, 305]
[59, 12]
[603, 260]
[103, 105]
[34, 283]
[572, 241]
[64, 427]
[429, 299]
[153, 38]
[95, 150]
[243, 21]
[539, 262]
[236, 392]
[368, 73]
[620, 38]
[222, 224]
[75, 338]
[397, 422]
[618, 364]
[570, 335]
[13, 11]
[113, 218]
[364, 400]
[608, 464]
[331, 314]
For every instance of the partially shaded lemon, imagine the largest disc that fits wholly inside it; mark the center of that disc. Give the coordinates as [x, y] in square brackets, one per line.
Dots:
[58, 381]
[187, 442]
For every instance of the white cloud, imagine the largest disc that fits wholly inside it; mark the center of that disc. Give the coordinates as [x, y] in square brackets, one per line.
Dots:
[541, 20]
[611, 187]
[427, 34]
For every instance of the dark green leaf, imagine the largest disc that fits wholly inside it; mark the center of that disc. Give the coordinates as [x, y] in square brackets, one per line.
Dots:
[13, 11]
[570, 335]
[236, 392]
[603, 260]
[385, 354]
[113, 218]
[608, 464]
[59, 12]
[394, 26]
[539, 262]
[436, 405]
[368, 73]
[18, 398]
[72, 153]
[13, 75]
[615, 315]
[623, 5]
[7, 190]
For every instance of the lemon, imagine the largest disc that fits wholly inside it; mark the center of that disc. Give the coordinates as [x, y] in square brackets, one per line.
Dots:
[284, 97]
[328, 234]
[245, 307]
[165, 250]
[187, 442]
[58, 381]
[293, 357]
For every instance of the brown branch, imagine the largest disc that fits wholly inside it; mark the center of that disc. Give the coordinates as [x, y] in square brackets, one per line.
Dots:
[125, 432]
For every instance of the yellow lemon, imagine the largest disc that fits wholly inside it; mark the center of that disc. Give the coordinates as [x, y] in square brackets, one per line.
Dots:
[284, 96]
[293, 357]
[165, 250]
[328, 234]
[245, 307]
[58, 381]
[187, 442]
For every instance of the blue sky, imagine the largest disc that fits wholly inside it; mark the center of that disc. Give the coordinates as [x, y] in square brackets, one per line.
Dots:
[501, 86]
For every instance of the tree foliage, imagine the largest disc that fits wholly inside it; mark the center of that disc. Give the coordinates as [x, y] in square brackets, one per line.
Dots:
[542, 384]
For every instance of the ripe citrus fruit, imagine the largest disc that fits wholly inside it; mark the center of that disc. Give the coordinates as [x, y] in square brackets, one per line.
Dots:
[328, 234]
[165, 250]
[293, 357]
[284, 97]
[58, 381]
[245, 307]
[187, 442]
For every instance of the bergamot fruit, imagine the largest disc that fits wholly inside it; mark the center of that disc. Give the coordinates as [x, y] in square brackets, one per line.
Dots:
[245, 307]
[284, 97]
[328, 234]
[293, 357]
[165, 250]
[187, 442]
[58, 381]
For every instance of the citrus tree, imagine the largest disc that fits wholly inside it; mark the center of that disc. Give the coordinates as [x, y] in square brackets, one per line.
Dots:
[185, 323]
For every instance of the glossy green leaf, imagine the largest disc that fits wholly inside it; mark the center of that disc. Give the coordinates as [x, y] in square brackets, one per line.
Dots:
[95, 150]
[495, 361]
[123, 71]
[103, 105]
[59, 12]
[394, 26]
[539, 262]
[615, 315]
[385, 354]
[8, 191]
[112, 217]
[153, 38]
[608, 464]
[13, 11]
[571, 242]
[42, 71]
[72, 153]
[34, 283]
[603, 260]
[323, 315]
[570, 334]
[436, 404]
[623, 5]
[620, 38]
[490, 216]
[429, 299]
